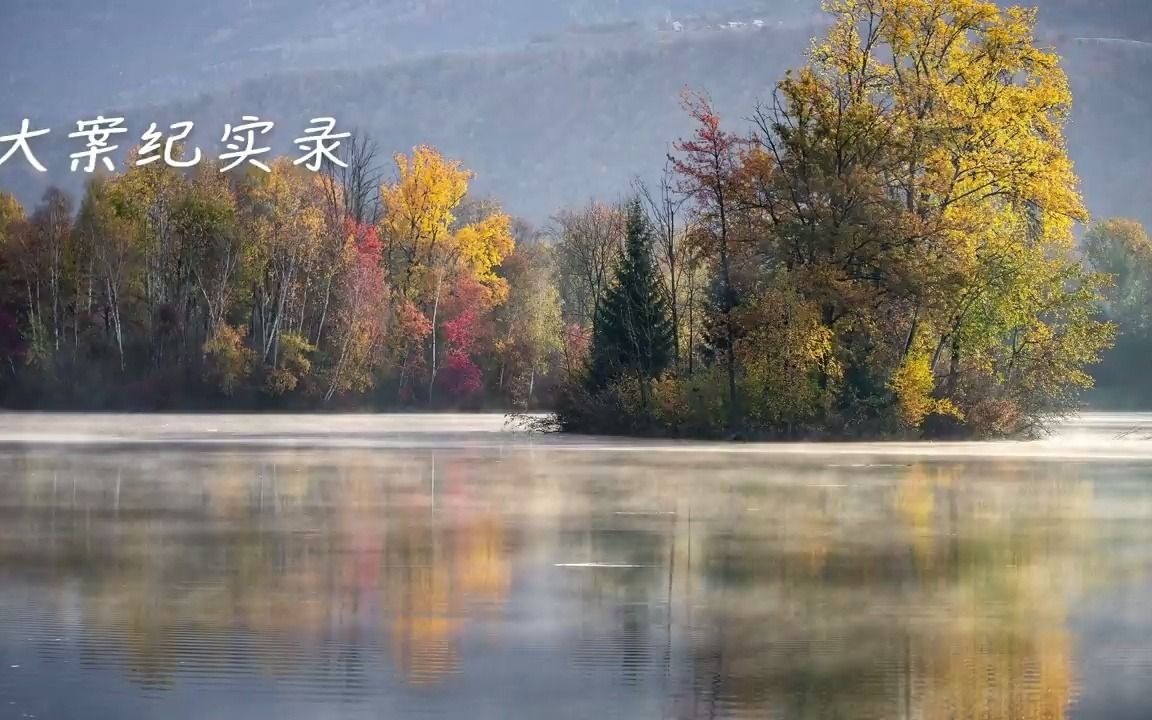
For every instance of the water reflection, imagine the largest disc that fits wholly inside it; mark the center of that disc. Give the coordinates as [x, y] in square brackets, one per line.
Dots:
[522, 580]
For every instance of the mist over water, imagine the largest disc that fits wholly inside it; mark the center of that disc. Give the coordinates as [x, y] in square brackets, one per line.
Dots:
[419, 566]
[1102, 435]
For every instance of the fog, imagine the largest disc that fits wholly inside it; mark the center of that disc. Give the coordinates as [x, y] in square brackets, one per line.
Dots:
[439, 567]
[1090, 436]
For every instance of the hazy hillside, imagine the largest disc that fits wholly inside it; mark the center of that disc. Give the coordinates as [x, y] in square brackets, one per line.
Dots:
[60, 57]
[542, 127]
[1110, 135]
[63, 57]
[548, 124]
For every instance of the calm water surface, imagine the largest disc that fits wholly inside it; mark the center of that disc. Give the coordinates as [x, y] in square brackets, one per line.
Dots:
[438, 567]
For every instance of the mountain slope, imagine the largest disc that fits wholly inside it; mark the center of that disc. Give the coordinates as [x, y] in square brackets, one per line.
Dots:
[555, 123]
[60, 57]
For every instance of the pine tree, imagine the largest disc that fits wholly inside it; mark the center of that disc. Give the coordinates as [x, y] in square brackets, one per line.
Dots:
[633, 334]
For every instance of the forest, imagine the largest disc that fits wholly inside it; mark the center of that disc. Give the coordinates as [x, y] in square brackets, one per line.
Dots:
[891, 251]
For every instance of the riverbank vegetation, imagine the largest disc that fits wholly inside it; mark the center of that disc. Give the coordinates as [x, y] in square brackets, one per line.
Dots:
[891, 252]
[280, 289]
[888, 251]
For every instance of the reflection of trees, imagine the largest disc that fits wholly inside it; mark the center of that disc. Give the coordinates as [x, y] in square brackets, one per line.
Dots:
[738, 588]
[482, 556]
[949, 604]
[1004, 651]
[275, 564]
[418, 585]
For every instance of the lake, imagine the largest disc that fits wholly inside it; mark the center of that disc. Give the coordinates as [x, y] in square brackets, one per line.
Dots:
[294, 567]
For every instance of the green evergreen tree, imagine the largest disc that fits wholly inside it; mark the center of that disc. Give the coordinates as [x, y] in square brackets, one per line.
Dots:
[633, 333]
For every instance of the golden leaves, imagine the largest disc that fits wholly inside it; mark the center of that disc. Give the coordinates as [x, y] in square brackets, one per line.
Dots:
[419, 206]
[420, 210]
[913, 383]
[483, 246]
[916, 179]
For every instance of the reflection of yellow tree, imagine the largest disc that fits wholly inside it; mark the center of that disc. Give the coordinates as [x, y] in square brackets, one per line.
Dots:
[916, 503]
[1002, 652]
[934, 591]
[418, 590]
[928, 593]
[998, 671]
[482, 560]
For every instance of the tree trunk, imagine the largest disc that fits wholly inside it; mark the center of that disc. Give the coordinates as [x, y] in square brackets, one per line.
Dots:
[729, 302]
[114, 301]
[435, 312]
[324, 311]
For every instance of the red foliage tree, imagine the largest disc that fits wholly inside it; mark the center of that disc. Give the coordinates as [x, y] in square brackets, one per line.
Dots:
[463, 332]
[706, 167]
[361, 315]
[410, 329]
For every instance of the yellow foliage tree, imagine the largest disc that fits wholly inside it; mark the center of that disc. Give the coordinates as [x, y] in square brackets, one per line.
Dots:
[419, 215]
[790, 369]
[914, 383]
[283, 216]
[422, 240]
[482, 246]
[916, 185]
[425, 247]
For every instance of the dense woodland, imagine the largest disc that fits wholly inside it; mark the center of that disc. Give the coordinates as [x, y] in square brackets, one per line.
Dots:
[169, 288]
[891, 251]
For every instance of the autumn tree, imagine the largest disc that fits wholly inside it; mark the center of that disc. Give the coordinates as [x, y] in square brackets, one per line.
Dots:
[891, 251]
[39, 253]
[115, 257]
[588, 242]
[417, 219]
[205, 216]
[11, 339]
[281, 213]
[529, 326]
[362, 308]
[464, 328]
[706, 165]
[427, 251]
[188, 286]
[915, 172]
[144, 198]
[11, 211]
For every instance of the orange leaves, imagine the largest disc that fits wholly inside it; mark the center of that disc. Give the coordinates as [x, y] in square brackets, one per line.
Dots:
[710, 157]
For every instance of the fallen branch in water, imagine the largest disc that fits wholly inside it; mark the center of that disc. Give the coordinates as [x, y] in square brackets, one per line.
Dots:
[525, 422]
